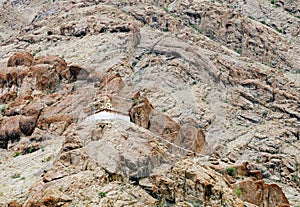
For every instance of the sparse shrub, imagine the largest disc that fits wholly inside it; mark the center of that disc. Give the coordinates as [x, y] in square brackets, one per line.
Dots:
[103, 30]
[102, 194]
[134, 63]
[239, 51]
[14, 176]
[174, 15]
[212, 37]
[231, 171]
[31, 150]
[3, 107]
[159, 204]
[166, 29]
[48, 159]
[198, 203]
[296, 179]
[196, 28]
[238, 192]
[17, 154]
[42, 148]
[251, 17]
[74, 87]
[134, 100]
[279, 30]
[263, 21]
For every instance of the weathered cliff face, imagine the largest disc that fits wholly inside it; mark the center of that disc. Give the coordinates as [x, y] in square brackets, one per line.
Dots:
[149, 103]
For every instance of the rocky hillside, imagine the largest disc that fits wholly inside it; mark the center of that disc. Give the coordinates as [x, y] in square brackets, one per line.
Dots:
[149, 103]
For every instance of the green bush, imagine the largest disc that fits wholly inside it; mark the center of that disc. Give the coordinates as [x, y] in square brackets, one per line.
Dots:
[238, 192]
[239, 51]
[14, 176]
[102, 194]
[263, 21]
[231, 171]
[17, 154]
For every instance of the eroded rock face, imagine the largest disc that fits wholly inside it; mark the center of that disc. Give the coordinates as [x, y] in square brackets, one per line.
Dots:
[219, 78]
[140, 112]
[12, 128]
[19, 59]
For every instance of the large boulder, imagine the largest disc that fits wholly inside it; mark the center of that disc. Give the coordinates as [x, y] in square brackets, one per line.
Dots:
[58, 63]
[140, 111]
[12, 128]
[191, 136]
[260, 193]
[20, 58]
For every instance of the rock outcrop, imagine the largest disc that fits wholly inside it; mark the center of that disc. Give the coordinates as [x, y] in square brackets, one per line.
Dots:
[149, 103]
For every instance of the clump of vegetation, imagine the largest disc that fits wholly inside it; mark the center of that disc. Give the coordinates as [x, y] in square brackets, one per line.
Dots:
[2, 108]
[17, 154]
[296, 179]
[239, 51]
[212, 37]
[231, 171]
[134, 100]
[48, 159]
[238, 192]
[101, 87]
[134, 63]
[198, 203]
[251, 17]
[16, 175]
[272, 1]
[279, 30]
[174, 15]
[102, 194]
[263, 21]
[196, 28]
[103, 30]
[42, 148]
[74, 87]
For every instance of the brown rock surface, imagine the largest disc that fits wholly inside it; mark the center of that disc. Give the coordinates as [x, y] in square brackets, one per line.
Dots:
[219, 78]
[20, 58]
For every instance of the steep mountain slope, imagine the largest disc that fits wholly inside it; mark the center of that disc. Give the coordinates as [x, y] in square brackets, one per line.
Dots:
[156, 103]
